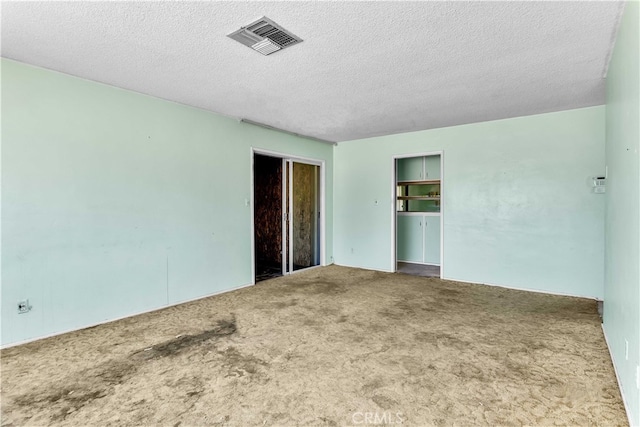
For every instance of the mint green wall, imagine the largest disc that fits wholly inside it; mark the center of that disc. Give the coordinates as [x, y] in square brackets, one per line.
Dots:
[622, 254]
[115, 203]
[517, 202]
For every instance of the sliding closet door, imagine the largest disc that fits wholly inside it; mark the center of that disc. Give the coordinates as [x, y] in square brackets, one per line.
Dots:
[286, 216]
[304, 215]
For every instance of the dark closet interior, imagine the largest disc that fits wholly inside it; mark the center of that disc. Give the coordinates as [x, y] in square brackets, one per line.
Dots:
[268, 216]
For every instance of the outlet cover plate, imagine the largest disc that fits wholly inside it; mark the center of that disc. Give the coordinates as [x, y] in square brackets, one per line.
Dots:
[24, 306]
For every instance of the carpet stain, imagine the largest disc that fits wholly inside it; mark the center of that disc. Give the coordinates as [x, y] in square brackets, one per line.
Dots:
[372, 385]
[87, 385]
[184, 343]
[404, 307]
[78, 390]
[384, 402]
[328, 422]
[321, 288]
[277, 304]
[285, 304]
[239, 364]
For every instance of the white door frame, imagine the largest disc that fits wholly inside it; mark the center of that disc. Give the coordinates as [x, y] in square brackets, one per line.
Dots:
[299, 159]
[287, 246]
[283, 220]
[394, 208]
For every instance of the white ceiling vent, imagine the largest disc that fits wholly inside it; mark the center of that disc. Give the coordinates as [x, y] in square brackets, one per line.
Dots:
[265, 36]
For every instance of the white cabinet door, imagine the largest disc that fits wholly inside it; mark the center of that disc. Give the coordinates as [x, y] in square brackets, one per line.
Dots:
[418, 168]
[410, 169]
[432, 240]
[410, 238]
[432, 167]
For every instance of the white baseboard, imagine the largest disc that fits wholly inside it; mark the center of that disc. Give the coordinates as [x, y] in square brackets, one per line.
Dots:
[624, 401]
[538, 291]
[365, 268]
[66, 331]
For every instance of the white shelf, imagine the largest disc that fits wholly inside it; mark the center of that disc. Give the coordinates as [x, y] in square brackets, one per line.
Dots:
[420, 182]
[421, 213]
[417, 198]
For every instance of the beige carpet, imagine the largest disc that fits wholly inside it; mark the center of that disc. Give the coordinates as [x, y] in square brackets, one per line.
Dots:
[331, 346]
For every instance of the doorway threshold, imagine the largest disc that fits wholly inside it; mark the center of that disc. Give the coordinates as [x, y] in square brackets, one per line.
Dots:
[419, 269]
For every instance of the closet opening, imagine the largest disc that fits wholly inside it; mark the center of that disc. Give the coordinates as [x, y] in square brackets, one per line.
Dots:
[268, 187]
[288, 206]
[418, 215]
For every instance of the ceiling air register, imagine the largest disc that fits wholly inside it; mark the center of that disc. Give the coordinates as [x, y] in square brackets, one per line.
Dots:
[265, 36]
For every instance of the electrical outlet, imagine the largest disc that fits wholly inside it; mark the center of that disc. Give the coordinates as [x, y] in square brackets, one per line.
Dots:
[23, 306]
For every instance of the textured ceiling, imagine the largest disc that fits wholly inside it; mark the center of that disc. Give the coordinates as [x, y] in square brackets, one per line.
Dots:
[364, 68]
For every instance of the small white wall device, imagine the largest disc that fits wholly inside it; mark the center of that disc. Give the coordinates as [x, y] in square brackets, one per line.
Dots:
[599, 184]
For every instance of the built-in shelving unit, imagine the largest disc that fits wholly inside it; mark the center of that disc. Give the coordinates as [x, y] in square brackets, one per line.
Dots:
[418, 184]
[425, 190]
